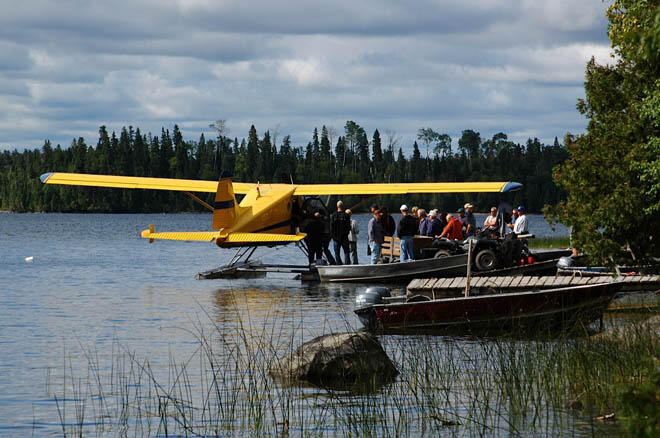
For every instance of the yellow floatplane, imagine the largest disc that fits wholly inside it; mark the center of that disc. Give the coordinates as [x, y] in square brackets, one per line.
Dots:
[268, 214]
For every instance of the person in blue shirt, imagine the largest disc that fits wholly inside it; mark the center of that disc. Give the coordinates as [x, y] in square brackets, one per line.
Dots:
[434, 226]
[423, 221]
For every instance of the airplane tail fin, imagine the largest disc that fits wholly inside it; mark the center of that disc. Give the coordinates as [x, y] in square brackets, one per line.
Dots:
[225, 209]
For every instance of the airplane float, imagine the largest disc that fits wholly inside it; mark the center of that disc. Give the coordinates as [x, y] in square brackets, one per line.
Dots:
[268, 214]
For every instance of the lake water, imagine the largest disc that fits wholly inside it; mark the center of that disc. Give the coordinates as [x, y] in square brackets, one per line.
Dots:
[93, 287]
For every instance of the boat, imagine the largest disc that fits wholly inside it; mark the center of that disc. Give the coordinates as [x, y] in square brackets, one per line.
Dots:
[544, 263]
[395, 272]
[574, 266]
[561, 308]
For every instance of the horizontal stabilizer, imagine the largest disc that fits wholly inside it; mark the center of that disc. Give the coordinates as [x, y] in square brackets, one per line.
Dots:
[198, 236]
[259, 239]
[225, 240]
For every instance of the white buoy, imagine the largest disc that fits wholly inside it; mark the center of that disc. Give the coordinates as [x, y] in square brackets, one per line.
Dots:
[29, 259]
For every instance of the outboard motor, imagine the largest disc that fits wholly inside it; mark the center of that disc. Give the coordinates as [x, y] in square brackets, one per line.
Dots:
[565, 262]
[363, 303]
[373, 295]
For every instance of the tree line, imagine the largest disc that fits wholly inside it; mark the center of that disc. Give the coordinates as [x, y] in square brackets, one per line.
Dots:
[352, 157]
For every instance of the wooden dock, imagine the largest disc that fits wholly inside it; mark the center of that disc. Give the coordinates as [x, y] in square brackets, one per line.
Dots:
[449, 287]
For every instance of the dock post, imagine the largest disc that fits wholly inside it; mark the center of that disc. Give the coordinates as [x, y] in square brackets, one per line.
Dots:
[469, 269]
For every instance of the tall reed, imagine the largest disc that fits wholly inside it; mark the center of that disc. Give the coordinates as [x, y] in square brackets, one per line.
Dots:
[448, 385]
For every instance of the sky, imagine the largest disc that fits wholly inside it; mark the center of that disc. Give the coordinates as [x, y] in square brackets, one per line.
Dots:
[517, 67]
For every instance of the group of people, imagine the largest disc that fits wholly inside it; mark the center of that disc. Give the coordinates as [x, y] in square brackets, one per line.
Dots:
[344, 230]
[458, 227]
[343, 234]
[382, 224]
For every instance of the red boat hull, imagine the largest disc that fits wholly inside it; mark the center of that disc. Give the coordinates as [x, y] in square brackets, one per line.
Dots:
[544, 309]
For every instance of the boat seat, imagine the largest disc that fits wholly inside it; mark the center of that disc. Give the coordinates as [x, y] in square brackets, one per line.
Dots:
[391, 248]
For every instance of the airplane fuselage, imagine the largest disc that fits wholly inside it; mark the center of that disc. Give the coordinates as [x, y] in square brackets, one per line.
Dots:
[266, 208]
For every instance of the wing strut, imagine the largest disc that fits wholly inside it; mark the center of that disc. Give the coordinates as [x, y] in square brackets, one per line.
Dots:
[199, 201]
[364, 201]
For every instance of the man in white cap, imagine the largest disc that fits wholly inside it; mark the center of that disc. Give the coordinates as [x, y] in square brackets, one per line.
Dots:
[406, 231]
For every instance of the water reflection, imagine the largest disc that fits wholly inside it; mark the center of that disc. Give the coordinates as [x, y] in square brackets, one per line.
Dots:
[297, 312]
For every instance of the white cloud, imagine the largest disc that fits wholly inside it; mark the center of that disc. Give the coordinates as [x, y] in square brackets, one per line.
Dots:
[491, 65]
[306, 72]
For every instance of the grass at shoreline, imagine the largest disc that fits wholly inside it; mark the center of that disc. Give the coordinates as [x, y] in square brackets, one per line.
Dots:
[549, 243]
[451, 386]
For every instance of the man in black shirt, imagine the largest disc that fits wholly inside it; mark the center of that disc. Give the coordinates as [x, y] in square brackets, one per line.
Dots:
[389, 226]
[314, 238]
[340, 226]
[406, 232]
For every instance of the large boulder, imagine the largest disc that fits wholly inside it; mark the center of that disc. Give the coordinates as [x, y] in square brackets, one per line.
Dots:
[338, 361]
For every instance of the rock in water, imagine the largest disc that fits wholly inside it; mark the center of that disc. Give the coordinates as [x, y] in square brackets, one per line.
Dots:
[338, 361]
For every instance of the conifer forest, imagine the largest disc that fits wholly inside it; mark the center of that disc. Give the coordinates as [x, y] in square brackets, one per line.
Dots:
[329, 157]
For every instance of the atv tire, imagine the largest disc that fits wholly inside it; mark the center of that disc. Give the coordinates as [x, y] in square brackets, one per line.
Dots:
[441, 253]
[486, 260]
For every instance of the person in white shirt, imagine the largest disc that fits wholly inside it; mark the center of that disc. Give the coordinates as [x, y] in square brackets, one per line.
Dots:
[521, 224]
[352, 238]
[491, 221]
[491, 224]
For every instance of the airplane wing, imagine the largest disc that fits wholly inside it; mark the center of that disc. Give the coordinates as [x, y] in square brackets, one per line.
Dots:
[138, 182]
[191, 185]
[406, 188]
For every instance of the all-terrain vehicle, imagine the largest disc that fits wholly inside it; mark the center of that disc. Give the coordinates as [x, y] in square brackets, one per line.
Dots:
[487, 253]
[489, 249]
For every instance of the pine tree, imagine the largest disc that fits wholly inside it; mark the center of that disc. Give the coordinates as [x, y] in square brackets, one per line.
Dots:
[267, 158]
[377, 154]
[253, 154]
[326, 166]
